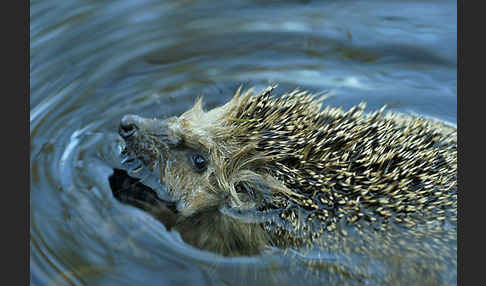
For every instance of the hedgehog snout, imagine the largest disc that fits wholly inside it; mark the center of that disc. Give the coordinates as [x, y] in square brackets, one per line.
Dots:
[128, 125]
[134, 126]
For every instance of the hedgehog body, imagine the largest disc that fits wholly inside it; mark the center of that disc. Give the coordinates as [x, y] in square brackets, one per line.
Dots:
[282, 171]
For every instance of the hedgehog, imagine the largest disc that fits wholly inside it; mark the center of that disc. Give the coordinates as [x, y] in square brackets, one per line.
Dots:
[265, 171]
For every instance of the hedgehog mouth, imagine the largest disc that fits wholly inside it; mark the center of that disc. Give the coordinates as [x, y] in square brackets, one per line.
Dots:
[132, 191]
[137, 185]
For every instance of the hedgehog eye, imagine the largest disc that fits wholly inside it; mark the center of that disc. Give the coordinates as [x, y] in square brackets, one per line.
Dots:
[199, 162]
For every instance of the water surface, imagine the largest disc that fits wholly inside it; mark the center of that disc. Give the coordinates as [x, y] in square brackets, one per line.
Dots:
[91, 62]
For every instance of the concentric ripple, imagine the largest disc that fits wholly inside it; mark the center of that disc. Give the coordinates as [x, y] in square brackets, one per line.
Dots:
[91, 62]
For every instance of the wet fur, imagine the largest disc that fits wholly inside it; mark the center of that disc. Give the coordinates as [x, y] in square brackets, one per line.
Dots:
[270, 153]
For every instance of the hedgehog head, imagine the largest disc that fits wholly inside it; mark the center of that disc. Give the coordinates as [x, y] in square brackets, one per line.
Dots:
[200, 156]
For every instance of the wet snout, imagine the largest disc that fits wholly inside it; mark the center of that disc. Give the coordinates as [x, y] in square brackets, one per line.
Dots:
[131, 125]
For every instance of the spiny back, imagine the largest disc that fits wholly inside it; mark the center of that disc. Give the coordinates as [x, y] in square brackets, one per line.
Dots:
[347, 165]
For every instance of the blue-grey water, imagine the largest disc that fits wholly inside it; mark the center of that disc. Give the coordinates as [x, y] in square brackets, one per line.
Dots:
[91, 62]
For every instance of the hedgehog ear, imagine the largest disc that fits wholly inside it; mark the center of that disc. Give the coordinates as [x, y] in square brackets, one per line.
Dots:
[244, 189]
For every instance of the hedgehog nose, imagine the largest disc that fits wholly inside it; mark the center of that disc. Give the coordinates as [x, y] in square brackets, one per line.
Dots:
[128, 126]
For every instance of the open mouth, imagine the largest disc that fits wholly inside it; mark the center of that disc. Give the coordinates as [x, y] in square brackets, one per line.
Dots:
[136, 186]
[130, 190]
[135, 182]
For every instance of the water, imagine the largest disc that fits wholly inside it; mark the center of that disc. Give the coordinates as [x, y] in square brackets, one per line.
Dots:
[91, 62]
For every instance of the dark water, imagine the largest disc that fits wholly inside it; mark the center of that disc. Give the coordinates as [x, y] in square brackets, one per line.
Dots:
[93, 61]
